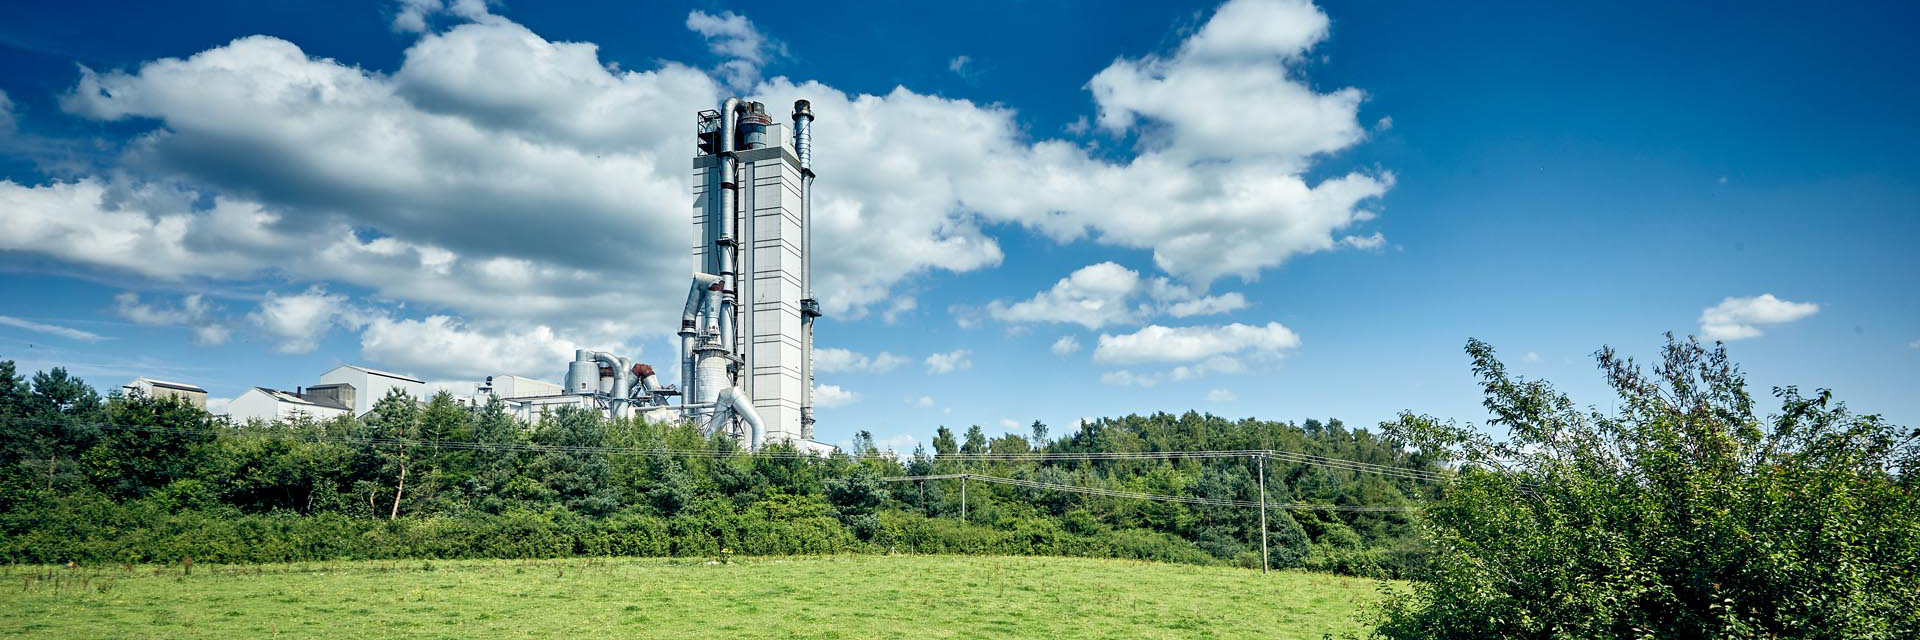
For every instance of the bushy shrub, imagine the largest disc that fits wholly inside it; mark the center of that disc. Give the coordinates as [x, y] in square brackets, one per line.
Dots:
[1682, 514]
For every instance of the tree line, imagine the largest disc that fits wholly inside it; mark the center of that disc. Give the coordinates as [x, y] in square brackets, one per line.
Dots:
[126, 478]
[1685, 510]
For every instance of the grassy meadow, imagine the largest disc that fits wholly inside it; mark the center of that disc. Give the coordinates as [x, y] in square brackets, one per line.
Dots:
[778, 597]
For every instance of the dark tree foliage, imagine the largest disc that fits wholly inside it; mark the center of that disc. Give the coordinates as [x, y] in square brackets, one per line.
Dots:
[137, 479]
[1681, 514]
[128, 464]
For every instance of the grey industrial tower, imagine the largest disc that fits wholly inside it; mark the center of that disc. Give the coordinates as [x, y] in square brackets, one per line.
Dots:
[746, 334]
[752, 180]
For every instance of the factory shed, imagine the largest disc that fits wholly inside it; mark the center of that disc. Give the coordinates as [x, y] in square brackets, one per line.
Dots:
[370, 385]
[267, 405]
[156, 389]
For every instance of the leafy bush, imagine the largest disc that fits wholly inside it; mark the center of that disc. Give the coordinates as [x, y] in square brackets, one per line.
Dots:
[1683, 514]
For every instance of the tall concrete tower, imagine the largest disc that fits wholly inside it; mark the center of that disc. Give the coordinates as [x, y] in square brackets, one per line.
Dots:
[752, 179]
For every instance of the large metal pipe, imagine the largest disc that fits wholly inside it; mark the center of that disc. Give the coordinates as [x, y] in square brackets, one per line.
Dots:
[803, 135]
[622, 379]
[697, 299]
[693, 324]
[721, 216]
[803, 149]
[730, 402]
[723, 230]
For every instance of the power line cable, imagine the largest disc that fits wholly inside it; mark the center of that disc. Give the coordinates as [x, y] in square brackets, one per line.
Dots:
[1118, 493]
[1424, 475]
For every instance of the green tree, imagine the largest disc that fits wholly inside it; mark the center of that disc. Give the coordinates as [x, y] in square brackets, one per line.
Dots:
[574, 479]
[495, 472]
[1682, 514]
[943, 442]
[976, 441]
[60, 421]
[394, 424]
[153, 443]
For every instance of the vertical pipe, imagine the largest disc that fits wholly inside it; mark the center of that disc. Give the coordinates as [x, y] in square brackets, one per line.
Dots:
[718, 217]
[686, 364]
[1263, 513]
[714, 376]
[803, 148]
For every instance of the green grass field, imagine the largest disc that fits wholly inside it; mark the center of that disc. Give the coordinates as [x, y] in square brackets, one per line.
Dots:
[798, 597]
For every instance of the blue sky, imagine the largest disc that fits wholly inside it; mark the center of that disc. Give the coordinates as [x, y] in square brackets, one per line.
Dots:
[1293, 211]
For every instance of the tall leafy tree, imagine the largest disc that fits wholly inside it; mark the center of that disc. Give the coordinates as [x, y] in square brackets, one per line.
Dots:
[154, 441]
[943, 442]
[1684, 513]
[62, 420]
[394, 424]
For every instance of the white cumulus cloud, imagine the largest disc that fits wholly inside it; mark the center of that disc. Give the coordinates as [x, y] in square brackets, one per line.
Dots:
[193, 311]
[827, 396]
[1195, 351]
[949, 362]
[1741, 318]
[1066, 345]
[837, 360]
[413, 16]
[1158, 344]
[440, 346]
[732, 36]
[1105, 294]
[299, 321]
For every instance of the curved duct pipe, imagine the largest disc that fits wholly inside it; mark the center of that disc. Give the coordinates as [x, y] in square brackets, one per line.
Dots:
[622, 378]
[731, 402]
[696, 298]
[715, 324]
[646, 384]
[690, 321]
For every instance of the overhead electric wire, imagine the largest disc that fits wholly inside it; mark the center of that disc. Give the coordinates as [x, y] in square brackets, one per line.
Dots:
[1424, 475]
[514, 447]
[1118, 493]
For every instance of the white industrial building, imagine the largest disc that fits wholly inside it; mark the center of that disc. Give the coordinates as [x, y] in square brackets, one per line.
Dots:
[370, 385]
[346, 390]
[267, 405]
[527, 399]
[512, 386]
[152, 388]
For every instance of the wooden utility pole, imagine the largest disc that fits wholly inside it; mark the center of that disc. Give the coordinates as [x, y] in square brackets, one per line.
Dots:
[963, 498]
[1263, 513]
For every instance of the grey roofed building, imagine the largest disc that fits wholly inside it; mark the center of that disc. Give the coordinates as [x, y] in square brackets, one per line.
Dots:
[152, 388]
[273, 404]
[388, 374]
